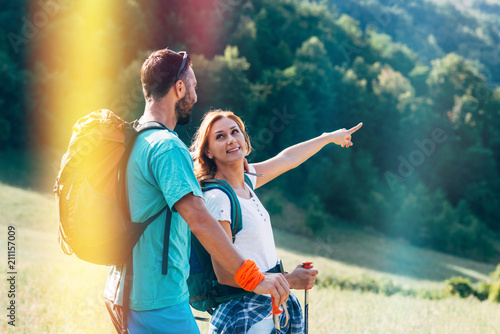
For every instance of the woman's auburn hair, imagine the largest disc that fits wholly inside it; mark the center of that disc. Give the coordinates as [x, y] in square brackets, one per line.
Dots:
[205, 168]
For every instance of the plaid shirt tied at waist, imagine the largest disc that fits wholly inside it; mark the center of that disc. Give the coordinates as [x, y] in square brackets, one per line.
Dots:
[237, 316]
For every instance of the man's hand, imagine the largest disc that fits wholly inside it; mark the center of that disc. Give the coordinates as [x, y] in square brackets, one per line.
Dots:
[301, 278]
[276, 285]
[342, 137]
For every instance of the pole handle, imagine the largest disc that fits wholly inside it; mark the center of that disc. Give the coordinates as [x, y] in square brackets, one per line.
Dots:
[307, 265]
[276, 309]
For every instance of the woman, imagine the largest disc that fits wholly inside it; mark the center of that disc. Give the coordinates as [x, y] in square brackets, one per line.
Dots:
[219, 148]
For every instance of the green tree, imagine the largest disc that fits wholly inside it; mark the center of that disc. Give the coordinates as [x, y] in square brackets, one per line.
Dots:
[14, 42]
[397, 55]
[222, 83]
[451, 76]
[314, 75]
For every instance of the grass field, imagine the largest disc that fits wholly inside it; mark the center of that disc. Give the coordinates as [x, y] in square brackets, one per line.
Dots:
[56, 293]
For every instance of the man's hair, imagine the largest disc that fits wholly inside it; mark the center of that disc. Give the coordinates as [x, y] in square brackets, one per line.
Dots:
[159, 71]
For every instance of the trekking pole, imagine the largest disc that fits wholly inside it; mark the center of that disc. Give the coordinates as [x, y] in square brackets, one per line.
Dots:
[306, 265]
[276, 316]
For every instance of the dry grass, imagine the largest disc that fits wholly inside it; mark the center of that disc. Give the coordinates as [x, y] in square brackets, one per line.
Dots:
[56, 293]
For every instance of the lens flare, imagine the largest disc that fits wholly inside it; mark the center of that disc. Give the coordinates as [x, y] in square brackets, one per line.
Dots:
[76, 57]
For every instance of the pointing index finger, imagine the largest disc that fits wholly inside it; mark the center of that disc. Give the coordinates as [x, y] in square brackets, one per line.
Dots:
[354, 129]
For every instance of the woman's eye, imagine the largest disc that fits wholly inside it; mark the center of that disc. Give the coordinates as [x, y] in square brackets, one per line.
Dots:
[235, 131]
[219, 136]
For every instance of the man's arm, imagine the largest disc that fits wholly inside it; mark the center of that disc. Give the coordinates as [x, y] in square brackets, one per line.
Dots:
[211, 235]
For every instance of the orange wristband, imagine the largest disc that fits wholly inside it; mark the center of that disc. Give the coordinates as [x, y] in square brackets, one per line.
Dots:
[248, 276]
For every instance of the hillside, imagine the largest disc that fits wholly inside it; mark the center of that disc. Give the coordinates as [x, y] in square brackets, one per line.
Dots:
[425, 165]
[67, 291]
[433, 28]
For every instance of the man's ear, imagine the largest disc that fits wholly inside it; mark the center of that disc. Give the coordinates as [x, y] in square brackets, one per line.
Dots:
[180, 89]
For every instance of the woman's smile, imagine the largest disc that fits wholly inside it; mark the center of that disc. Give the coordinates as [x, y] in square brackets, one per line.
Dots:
[236, 149]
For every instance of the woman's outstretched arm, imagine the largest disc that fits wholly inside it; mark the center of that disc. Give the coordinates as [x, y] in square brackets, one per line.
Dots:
[297, 154]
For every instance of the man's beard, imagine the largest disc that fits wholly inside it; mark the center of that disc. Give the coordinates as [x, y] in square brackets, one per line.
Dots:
[183, 109]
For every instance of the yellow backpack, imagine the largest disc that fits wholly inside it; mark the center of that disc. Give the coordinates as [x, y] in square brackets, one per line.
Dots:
[94, 218]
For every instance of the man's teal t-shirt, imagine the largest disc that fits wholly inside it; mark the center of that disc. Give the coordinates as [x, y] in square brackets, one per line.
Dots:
[160, 172]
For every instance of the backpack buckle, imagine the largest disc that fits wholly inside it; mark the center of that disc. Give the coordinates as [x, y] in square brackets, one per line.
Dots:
[56, 186]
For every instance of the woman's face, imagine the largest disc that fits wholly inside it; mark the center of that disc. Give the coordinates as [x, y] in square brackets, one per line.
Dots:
[226, 142]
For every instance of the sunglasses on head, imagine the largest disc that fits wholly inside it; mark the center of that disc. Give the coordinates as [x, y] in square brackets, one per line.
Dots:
[183, 64]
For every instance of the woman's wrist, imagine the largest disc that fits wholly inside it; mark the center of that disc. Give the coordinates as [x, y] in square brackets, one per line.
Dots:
[291, 280]
[328, 137]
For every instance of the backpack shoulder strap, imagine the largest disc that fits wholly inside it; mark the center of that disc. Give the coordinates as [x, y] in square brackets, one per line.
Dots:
[153, 125]
[139, 128]
[249, 182]
[236, 220]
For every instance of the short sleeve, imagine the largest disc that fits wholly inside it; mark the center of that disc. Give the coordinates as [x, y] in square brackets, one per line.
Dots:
[174, 173]
[252, 178]
[218, 204]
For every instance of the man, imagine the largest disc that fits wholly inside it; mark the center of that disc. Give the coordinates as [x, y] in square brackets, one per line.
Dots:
[159, 173]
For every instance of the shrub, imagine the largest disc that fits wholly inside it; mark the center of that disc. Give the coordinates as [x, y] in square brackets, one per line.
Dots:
[388, 288]
[408, 292]
[428, 219]
[328, 281]
[482, 291]
[495, 275]
[494, 295]
[273, 201]
[369, 284]
[285, 214]
[316, 218]
[455, 286]
[494, 292]
[431, 294]
[365, 283]
[460, 286]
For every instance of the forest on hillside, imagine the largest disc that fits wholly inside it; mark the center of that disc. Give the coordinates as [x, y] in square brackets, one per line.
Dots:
[422, 76]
